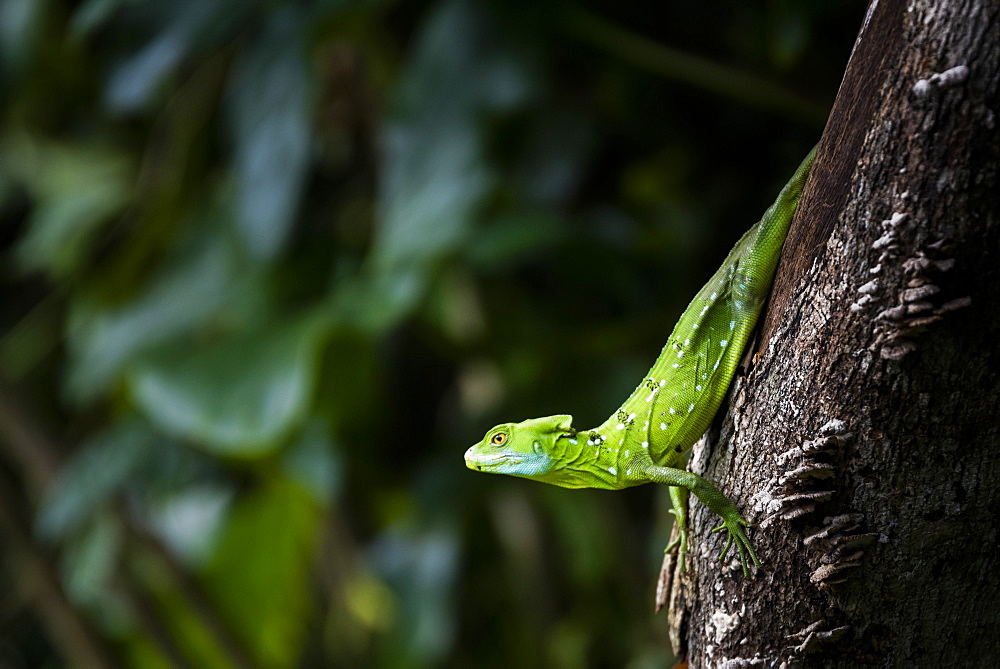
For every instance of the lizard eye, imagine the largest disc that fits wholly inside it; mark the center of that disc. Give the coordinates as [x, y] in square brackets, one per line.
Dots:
[500, 438]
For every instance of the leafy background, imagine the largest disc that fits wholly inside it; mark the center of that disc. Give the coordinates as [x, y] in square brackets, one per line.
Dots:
[269, 268]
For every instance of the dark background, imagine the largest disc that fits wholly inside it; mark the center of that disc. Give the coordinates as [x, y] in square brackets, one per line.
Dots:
[269, 268]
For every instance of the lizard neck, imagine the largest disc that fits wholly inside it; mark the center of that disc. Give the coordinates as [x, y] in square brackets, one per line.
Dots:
[590, 459]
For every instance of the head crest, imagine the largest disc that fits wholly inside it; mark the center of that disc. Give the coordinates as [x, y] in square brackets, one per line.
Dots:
[561, 423]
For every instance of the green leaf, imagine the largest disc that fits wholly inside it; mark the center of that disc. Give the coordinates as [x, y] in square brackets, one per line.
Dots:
[91, 15]
[184, 26]
[270, 109]
[421, 568]
[192, 285]
[190, 519]
[20, 29]
[76, 188]
[435, 173]
[314, 463]
[259, 576]
[510, 239]
[239, 395]
[88, 566]
[97, 471]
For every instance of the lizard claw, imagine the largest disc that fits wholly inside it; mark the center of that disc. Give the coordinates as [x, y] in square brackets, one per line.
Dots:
[680, 543]
[734, 524]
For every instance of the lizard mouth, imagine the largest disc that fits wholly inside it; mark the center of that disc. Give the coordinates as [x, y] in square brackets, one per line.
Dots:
[481, 461]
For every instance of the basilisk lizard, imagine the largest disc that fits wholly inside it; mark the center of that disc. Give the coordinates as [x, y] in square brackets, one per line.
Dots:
[647, 438]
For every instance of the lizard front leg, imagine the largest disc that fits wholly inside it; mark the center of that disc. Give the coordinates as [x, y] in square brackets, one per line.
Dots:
[718, 503]
[679, 499]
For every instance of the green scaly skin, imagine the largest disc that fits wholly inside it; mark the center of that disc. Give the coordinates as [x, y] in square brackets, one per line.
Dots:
[646, 440]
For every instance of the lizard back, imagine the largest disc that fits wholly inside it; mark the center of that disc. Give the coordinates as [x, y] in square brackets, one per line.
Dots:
[677, 400]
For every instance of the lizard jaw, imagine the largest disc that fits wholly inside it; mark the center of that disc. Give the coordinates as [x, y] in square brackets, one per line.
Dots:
[478, 461]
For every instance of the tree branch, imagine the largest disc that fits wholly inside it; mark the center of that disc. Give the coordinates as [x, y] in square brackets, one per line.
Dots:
[693, 70]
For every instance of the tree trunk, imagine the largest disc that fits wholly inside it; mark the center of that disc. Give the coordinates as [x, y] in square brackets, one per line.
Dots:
[863, 442]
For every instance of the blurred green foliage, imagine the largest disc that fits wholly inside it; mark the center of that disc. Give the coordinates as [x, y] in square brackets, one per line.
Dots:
[269, 267]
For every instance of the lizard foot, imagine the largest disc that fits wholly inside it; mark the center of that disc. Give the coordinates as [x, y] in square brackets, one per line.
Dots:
[734, 524]
[680, 542]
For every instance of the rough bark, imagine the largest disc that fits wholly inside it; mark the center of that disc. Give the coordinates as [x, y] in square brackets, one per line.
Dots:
[863, 441]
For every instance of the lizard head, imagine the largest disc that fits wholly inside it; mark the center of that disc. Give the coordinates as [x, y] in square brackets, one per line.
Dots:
[520, 449]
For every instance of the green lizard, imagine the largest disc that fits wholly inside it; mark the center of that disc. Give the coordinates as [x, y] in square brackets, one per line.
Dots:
[647, 438]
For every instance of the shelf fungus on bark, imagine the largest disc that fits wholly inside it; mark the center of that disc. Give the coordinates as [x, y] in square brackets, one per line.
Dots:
[809, 480]
[806, 481]
[814, 637]
[843, 547]
[915, 310]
